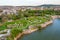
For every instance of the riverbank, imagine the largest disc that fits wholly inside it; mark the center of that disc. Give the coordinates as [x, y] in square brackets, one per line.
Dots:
[52, 30]
[18, 26]
[55, 16]
[46, 24]
[30, 31]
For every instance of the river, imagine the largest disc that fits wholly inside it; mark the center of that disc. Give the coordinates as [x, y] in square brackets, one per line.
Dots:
[51, 32]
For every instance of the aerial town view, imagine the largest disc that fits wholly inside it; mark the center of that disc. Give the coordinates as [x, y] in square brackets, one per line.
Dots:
[30, 20]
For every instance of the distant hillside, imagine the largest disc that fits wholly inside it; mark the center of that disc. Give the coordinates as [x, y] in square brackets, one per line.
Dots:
[48, 5]
[16, 7]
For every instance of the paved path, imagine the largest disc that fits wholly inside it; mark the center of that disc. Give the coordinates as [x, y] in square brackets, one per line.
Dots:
[3, 36]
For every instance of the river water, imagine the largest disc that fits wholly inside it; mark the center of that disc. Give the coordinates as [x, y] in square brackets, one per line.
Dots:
[52, 32]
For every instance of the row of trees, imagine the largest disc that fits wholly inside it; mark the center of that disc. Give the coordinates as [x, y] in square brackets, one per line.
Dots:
[28, 13]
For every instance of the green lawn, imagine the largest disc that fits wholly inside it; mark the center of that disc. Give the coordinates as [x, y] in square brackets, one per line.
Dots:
[18, 26]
